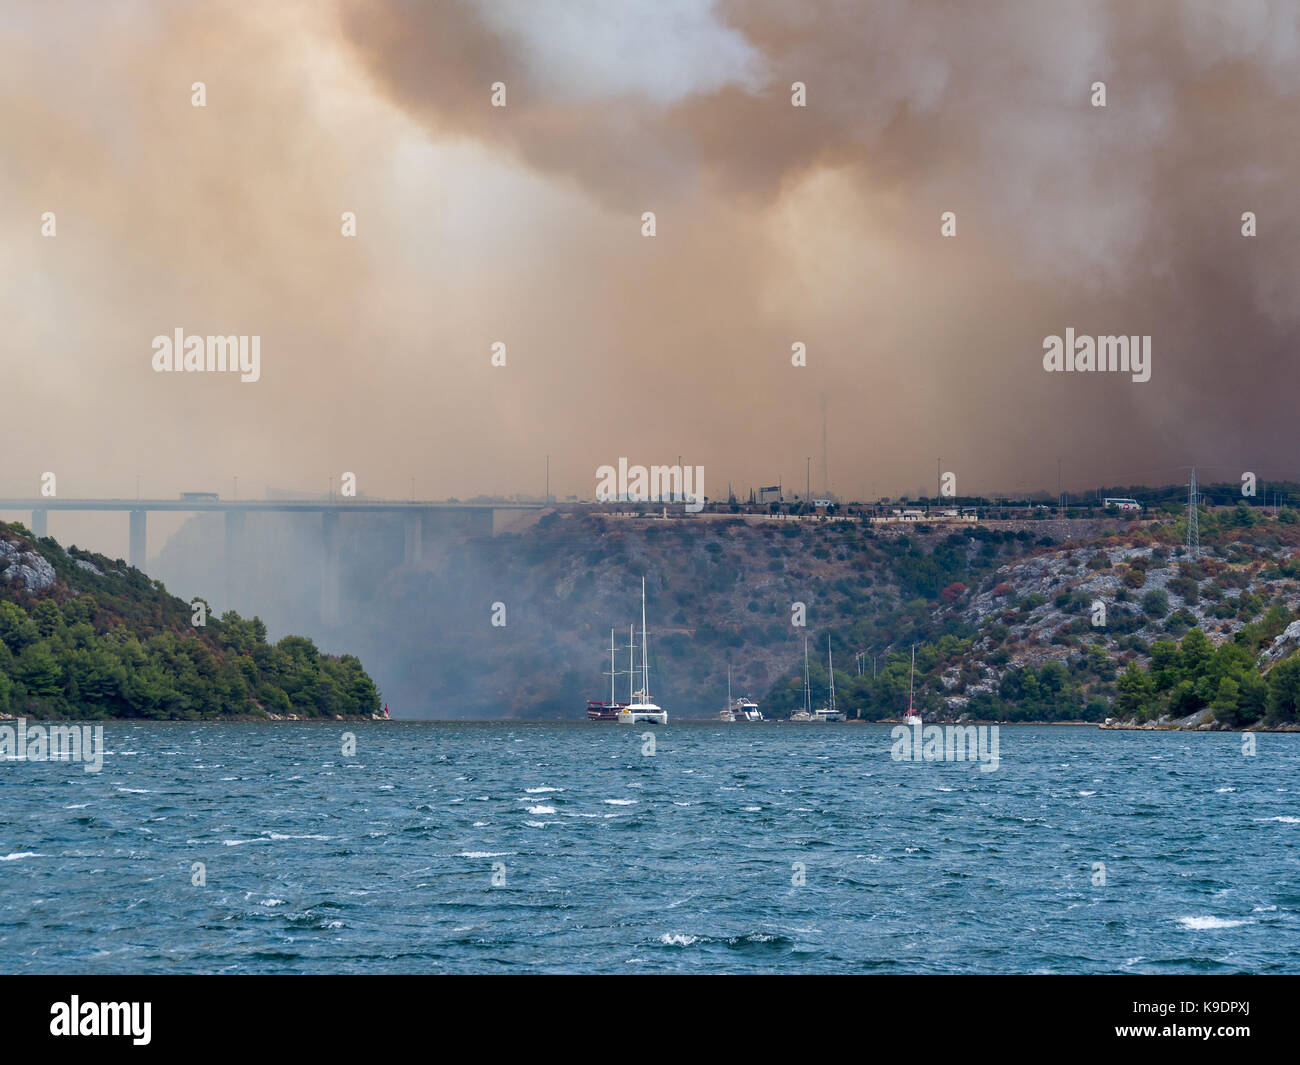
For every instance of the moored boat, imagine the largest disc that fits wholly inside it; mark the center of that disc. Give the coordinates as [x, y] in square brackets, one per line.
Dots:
[913, 716]
[806, 713]
[829, 712]
[742, 709]
[601, 711]
[597, 710]
[642, 708]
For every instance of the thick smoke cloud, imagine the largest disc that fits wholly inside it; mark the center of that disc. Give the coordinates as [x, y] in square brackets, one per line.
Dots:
[775, 224]
[1122, 219]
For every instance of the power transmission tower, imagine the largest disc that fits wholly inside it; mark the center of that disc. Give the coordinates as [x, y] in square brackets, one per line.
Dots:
[826, 475]
[1193, 528]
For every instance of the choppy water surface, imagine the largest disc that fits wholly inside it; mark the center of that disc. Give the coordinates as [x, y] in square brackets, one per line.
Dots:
[614, 861]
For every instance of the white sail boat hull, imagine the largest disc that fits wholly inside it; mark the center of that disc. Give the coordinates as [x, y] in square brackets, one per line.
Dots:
[643, 712]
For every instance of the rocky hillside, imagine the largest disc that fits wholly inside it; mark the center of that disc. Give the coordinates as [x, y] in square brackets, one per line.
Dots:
[1064, 621]
[85, 636]
[1004, 616]
[721, 590]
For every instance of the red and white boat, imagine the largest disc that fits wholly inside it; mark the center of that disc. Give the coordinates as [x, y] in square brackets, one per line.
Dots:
[602, 711]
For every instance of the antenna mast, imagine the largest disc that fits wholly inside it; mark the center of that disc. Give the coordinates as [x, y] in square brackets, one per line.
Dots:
[826, 474]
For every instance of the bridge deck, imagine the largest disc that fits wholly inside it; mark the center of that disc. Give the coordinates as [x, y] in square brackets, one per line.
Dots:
[298, 505]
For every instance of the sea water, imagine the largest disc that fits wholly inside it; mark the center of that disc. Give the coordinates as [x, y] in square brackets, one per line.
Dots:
[603, 848]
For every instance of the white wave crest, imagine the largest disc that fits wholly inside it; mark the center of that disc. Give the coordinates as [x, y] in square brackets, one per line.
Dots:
[1199, 924]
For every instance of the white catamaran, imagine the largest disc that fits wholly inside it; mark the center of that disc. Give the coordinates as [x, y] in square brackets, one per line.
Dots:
[913, 715]
[641, 708]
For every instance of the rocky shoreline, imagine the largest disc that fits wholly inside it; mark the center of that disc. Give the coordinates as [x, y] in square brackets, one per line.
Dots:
[1198, 722]
[205, 720]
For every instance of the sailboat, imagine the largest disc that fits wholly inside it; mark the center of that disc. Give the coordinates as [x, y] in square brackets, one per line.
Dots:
[828, 712]
[806, 713]
[739, 709]
[913, 715]
[641, 708]
[601, 711]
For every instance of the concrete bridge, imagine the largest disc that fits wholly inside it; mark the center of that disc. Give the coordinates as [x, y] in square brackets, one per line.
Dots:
[473, 519]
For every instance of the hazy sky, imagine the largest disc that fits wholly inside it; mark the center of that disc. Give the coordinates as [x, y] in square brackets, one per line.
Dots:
[522, 224]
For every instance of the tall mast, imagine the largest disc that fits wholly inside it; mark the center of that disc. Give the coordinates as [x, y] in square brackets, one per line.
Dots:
[807, 704]
[611, 665]
[830, 662]
[645, 650]
[728, 685]
[909, 680]
[631, 661]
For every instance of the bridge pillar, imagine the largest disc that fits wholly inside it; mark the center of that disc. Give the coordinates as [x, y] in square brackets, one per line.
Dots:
[138, 546]
[234, 559]
[329, 588]
[414, 540]
[40, 522]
